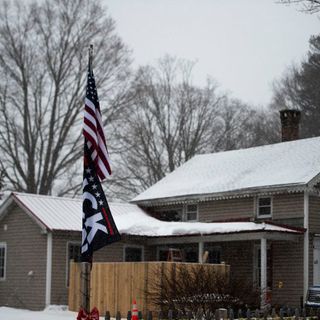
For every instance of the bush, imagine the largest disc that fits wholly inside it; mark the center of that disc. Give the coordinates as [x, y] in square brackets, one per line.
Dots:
[199, 290]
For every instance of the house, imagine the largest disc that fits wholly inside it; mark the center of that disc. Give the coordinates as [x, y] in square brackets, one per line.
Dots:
[277, 184]
[256, 209]
[39, 236]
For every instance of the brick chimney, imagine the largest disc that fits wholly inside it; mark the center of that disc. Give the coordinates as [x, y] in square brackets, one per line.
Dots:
[290, 123]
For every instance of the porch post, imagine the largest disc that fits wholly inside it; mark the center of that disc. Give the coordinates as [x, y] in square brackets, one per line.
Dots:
[48, 269]
[263, 279]
[200, 250]
[306, 246]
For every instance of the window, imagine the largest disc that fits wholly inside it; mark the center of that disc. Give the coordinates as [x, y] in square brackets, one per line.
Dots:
[73, 254]
[264, 207]
[133, 254]
[3, 258]
[191, 212]
[173, 214]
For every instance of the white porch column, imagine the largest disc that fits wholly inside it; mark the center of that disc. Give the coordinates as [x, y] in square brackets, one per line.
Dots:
[49, 269]
[263, 279]
[200, 250]
[306, 245]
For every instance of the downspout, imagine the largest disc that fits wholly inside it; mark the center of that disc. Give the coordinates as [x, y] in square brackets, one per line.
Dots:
[306, 245]
[48, 269]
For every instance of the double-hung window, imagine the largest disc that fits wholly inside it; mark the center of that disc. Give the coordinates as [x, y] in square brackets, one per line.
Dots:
[264, 207]
[191, 212]
[3, 260]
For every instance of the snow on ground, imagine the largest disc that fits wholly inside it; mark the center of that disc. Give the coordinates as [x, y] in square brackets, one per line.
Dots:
[51, 313]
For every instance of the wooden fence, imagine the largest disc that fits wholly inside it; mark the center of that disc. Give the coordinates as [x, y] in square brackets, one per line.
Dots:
[115, 285]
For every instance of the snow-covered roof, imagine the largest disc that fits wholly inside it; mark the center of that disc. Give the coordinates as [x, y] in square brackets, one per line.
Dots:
[58, 213]
[280, 165]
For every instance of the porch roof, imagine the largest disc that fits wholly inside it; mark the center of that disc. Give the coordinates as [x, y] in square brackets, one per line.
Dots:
[58, 213]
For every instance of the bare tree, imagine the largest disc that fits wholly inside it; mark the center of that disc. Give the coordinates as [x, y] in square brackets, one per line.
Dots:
[242, 126]
[170, 121]
[310, 6]
[43, 61]
[299, 89]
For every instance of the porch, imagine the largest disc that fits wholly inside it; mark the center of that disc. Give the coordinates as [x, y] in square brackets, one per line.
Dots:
[270, 260]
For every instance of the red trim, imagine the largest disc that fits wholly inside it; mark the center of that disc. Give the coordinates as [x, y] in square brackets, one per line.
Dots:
[300, 229]
[248, 219]
[107, 219]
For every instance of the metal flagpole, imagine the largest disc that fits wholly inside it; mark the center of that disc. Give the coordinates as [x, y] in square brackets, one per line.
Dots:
[86, 266]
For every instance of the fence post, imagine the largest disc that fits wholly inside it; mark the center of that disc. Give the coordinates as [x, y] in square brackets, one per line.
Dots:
[118, 315]
[281, 313]
[265, 314]
[107, 316]
[149, 315]
[231, 314]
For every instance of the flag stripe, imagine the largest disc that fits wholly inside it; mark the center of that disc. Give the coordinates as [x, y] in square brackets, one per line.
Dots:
[107, 219]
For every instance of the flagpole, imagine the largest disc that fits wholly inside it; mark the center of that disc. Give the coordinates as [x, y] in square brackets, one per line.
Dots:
[86, 266]
[98, 226]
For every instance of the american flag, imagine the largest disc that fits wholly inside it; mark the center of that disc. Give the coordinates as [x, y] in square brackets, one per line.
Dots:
[93, 130]
[98, 226]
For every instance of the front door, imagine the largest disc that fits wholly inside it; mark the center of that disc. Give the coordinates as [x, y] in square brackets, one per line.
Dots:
[316, 261]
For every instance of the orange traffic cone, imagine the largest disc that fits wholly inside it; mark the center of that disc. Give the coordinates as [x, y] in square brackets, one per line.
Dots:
[134, 310]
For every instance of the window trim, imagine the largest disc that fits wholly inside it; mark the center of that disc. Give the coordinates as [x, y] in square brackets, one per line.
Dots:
[139, 246]
[185, 212]
[67, 258]
[263, 216]
[4, 245]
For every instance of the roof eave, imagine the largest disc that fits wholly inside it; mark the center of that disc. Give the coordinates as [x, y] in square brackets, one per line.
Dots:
[242, 193]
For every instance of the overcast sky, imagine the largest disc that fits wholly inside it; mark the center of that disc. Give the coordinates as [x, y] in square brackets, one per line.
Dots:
[243, 44]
